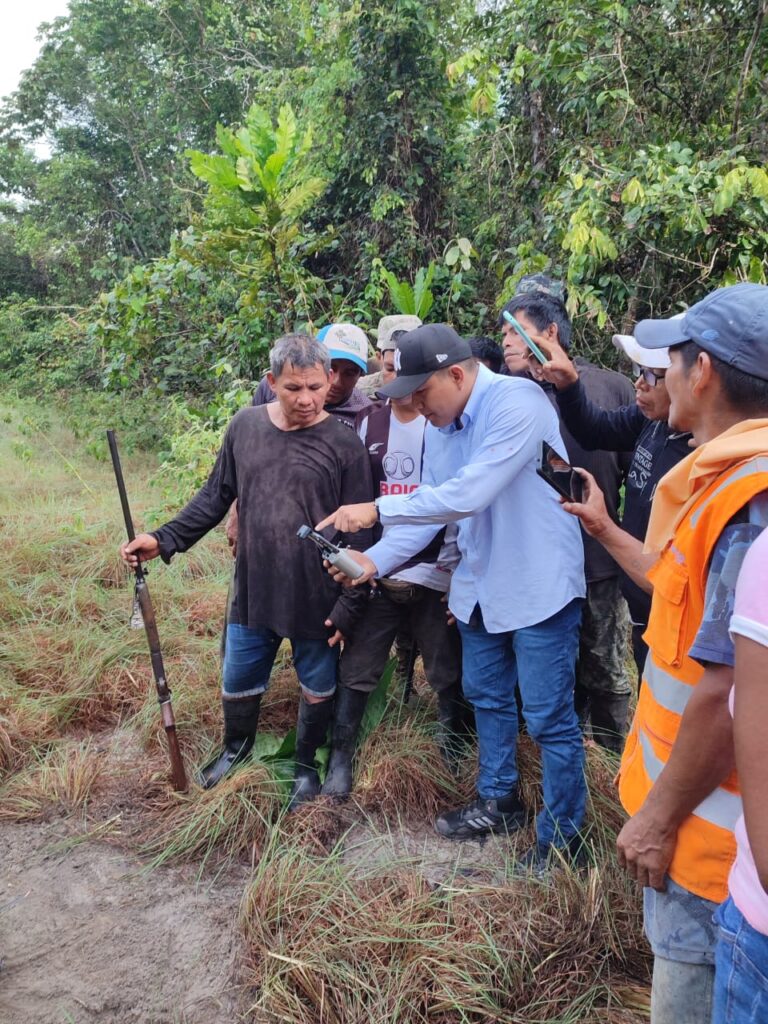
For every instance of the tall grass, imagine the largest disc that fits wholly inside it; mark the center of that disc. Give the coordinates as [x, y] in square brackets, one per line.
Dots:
[342, 921]
[331, 944]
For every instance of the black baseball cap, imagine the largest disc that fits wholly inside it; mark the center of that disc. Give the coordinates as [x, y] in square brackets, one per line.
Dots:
[422, 352]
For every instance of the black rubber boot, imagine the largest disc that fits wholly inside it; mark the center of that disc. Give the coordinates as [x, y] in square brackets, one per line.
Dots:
[311, 733]
[456, 725]
[350, 708]
[241, 719]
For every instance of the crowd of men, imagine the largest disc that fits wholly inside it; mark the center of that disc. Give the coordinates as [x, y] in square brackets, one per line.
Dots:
[519, 601]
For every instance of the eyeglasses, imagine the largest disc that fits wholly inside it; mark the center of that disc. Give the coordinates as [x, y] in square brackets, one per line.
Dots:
[651, 377]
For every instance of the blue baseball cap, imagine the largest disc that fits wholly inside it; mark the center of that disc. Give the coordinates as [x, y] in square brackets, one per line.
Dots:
[346, 341]
[729, 323]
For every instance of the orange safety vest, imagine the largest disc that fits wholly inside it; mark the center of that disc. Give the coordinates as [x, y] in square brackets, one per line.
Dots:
[705, 843]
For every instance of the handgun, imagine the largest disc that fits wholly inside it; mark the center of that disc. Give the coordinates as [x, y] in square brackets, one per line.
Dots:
[332, 552]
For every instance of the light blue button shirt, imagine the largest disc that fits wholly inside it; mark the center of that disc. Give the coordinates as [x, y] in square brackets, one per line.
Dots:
[522, 558]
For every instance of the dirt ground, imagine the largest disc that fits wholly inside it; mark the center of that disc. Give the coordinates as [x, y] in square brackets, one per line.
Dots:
[86, 936]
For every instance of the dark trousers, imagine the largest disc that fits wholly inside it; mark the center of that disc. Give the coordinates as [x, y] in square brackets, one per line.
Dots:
[366, 653]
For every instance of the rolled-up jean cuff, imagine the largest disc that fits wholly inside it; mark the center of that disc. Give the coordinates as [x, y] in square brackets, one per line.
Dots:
[242, 694]
[313, 693]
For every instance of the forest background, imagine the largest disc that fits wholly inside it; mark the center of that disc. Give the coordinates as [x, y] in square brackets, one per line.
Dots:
[221, 171]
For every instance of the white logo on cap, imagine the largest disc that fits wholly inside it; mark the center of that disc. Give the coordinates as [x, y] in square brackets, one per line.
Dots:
[441, 357]
[397, 360]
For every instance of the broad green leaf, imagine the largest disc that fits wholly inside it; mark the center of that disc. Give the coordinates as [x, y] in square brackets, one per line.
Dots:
[376, 707]
[633, 193]
[243, 174]
[452, 256]
[216, 170]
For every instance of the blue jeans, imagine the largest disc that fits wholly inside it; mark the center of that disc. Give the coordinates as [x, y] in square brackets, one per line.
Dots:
[679, 926]
[250, 654]
[540, 659]
[741, 969]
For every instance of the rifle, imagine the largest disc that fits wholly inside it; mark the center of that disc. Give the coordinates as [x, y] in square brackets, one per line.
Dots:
[142, 598]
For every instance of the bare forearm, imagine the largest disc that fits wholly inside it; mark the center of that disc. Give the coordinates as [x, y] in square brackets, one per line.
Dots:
[749, 727]
[702, 756]
[628, 552]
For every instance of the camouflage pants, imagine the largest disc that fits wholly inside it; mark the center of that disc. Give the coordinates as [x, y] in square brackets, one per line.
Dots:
[603, 686]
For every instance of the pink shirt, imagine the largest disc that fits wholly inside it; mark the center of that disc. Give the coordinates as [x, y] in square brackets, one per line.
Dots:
[750, 619]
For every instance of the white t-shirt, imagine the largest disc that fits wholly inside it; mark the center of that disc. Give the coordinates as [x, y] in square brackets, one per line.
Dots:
[402, 468]
[402, 462]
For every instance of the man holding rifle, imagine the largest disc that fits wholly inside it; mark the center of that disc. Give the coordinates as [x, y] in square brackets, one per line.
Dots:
[518, 589]
[284, 463]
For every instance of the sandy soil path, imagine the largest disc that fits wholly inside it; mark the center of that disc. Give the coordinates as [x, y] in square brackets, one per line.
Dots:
[87, 938]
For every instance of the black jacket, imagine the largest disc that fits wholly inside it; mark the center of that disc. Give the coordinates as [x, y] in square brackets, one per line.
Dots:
[605, 390]
[655, 450]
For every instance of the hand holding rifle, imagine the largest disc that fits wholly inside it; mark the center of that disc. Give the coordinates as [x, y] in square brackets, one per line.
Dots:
[142, 548]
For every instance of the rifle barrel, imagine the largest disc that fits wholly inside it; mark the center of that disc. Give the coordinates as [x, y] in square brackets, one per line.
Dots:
[178, 775]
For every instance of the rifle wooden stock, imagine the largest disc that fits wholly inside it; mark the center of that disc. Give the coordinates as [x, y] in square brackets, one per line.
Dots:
[178, 775]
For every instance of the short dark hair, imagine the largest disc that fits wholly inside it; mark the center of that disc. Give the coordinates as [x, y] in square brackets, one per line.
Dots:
[543, 310]
[742, 391]
[487, 349]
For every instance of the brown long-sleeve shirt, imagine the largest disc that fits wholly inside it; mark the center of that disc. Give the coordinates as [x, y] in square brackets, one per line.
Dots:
[281, 479]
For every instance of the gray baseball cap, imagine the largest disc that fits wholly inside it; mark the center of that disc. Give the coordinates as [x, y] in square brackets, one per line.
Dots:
[729, 323]
[389, 325]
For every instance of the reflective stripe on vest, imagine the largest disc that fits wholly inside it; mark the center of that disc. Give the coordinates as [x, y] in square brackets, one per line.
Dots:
[720, 808]
[758, 465]
[669, 692]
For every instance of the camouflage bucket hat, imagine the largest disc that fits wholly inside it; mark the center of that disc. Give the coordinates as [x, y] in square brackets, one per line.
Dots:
[533, 283]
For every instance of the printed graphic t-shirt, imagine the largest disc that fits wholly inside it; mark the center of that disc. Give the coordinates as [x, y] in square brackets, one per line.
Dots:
[396, 451]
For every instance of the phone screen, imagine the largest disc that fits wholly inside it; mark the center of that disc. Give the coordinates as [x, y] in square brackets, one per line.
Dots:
[558, 473]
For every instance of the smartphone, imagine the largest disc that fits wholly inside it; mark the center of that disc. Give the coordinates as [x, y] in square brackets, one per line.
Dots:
[555, 470]
[526, 337]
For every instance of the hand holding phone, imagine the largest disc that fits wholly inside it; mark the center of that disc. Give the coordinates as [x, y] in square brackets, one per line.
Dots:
[558, 473]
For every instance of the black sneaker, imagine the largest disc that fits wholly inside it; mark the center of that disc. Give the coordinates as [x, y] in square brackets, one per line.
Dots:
[481, 818]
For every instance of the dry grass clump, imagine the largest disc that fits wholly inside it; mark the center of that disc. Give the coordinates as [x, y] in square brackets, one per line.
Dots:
[61, 779]
[231, 820]
[401, 772]
[280, 704]
[10, 755]
[317, 826]
[204, 613]
[327, 945]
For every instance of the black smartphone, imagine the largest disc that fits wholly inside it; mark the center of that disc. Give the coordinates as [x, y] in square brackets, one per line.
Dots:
[555, 470]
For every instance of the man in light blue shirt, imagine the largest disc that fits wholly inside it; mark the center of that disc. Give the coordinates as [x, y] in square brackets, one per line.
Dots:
[517, 592]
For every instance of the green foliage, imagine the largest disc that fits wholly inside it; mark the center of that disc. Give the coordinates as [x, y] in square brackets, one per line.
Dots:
[258, 190]
[42, 352]
[646, 224]
[416, 299]
[611, 143]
